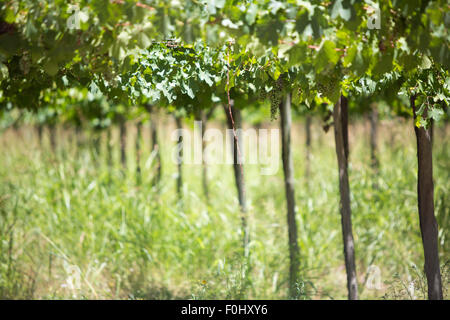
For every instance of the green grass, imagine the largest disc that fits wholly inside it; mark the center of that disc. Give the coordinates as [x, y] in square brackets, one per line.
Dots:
[69, 214]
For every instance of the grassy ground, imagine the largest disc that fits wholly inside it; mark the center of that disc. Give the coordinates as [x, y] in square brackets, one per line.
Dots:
[71, 227]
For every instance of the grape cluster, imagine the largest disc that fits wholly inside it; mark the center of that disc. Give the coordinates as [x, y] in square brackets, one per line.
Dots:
[275, 96]
[326, 84]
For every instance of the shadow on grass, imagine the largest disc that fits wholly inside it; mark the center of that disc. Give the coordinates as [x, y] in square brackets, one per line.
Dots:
[155, 291]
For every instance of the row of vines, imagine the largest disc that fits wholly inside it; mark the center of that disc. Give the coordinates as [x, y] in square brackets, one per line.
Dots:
[109, 61]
